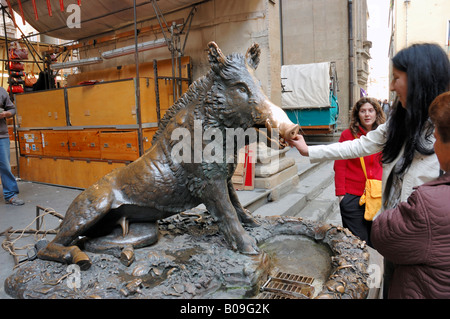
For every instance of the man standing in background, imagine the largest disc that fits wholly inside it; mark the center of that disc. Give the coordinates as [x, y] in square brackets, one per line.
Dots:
[9, 184]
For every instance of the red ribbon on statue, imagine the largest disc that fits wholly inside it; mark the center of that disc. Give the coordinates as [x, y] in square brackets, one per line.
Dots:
[21, 11]
[61, 5]
[79, 3]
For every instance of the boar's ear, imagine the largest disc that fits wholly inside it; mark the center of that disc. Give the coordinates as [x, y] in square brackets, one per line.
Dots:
[252, 55]
[216, 57]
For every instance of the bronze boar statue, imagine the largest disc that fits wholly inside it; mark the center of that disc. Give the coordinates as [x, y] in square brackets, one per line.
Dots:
[158, 185]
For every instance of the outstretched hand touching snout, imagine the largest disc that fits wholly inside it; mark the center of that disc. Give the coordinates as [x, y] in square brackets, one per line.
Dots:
[299, 143]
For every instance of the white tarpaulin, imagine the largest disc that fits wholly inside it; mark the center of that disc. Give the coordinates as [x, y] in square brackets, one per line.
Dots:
[305, 85]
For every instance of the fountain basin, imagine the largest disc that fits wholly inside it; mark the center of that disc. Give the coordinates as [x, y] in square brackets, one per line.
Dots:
[192, 260]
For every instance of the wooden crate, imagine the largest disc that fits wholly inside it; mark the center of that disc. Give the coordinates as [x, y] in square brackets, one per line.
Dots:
[55, 143]
[41, 109]
[111, 104]
[84, 144]
[120, 145]
[114, 144]
[65, 172]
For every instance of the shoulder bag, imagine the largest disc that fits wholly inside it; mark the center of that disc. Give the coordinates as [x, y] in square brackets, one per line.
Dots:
[371, 196]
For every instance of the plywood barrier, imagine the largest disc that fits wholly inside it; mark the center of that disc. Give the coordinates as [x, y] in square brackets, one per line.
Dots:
[41, 109]
[112, 103]
[66, 172]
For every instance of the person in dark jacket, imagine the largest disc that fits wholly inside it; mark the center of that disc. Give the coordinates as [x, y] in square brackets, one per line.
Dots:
[415, 235]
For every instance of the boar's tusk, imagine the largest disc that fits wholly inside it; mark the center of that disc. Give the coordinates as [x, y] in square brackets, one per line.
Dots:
[280, 144]
[123, 222]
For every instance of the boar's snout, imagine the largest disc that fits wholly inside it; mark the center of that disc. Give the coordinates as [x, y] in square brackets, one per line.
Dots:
[279, 120]
[289, 131]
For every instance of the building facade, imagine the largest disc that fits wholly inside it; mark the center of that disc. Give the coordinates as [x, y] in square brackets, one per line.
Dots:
[418, 21]
[415, 21]
[316, 31]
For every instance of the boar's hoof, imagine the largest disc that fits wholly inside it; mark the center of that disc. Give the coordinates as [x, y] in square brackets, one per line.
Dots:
[248, 220]
[127, 256]
[248, 246]
[82, 260]
[250, 250]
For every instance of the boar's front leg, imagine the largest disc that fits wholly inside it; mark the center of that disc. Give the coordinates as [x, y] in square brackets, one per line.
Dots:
[218, 203]
[243, 214]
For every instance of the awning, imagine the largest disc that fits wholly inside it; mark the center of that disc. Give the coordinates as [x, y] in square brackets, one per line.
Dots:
[96, 16]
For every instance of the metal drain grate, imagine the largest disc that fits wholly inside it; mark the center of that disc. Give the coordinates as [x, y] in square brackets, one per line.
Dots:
[287, 286]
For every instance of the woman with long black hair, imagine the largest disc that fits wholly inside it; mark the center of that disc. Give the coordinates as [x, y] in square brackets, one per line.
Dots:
[420, 74]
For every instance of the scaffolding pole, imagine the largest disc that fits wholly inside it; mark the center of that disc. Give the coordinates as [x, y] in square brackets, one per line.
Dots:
[172, 37]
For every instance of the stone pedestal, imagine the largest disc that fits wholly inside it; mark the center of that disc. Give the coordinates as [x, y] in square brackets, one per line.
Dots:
[275, 171]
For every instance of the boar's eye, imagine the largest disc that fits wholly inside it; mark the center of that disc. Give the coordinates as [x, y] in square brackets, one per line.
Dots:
[242, 88]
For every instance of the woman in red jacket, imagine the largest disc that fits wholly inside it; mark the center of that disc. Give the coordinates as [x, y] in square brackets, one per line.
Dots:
[349, 178]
